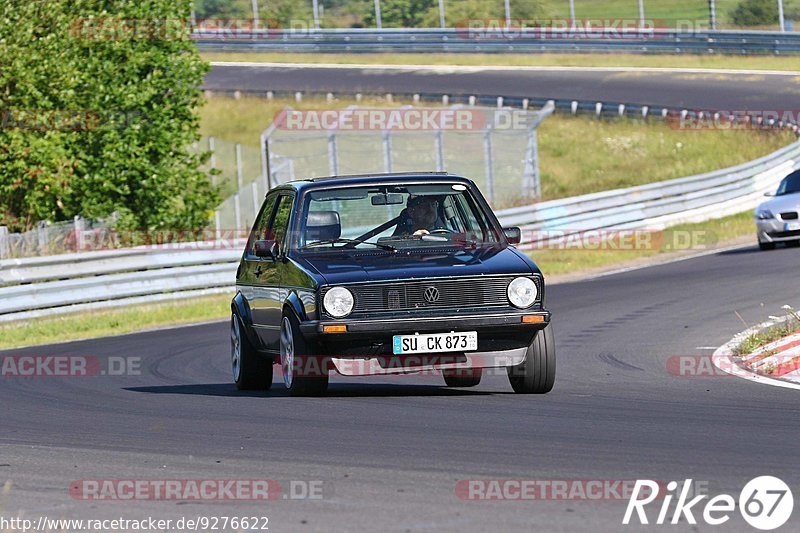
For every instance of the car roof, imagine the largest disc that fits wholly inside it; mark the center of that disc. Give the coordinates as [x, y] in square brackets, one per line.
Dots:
[367, 179]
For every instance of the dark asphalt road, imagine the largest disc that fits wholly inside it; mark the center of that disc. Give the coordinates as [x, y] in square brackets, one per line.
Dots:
[389, 451]
[697, 91]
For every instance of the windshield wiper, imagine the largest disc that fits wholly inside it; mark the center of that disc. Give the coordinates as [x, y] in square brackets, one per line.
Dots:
[349, 241]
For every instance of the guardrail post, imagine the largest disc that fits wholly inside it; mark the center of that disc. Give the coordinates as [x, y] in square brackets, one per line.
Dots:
[237, 212]
[41, 235]
[78, 223]
[256, 203]
[531, 184]
[333, 156]
[378, 22]
[239, 176]
[254, 5]
[438, 142]
[387, 152]
[489, 166]
[217, 228]
[266, 171]
[4, 244]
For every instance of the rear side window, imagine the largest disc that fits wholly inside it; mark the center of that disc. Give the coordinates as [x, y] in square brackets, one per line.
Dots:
[280, 225]
[261, 229]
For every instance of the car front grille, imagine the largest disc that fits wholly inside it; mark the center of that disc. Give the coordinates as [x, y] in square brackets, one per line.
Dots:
[791, 215]
[785, 234]
[453, 293]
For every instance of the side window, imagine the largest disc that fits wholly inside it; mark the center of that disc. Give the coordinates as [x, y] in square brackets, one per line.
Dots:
[280, 226]
[262, 225]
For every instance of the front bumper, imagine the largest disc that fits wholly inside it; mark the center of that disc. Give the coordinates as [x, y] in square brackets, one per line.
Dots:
[774, 230]
[364, 328]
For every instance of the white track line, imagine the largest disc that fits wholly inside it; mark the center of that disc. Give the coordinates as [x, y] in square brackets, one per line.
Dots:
[489, 68]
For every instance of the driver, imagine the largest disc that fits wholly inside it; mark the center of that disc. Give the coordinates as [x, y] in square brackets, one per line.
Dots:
[422, 216]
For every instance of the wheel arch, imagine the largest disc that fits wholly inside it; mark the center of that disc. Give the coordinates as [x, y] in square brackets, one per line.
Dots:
[241, 309]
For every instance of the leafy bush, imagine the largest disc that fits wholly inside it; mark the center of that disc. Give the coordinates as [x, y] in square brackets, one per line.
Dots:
[756, 13]
[99, 119]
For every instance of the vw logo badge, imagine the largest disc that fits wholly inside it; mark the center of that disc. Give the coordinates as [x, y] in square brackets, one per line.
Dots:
[431, 295]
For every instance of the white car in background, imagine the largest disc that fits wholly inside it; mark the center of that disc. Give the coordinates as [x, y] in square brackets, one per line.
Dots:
[777, 219]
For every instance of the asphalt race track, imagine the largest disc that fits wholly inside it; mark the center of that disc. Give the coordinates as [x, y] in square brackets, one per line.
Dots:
[691, 90]
[390, 451]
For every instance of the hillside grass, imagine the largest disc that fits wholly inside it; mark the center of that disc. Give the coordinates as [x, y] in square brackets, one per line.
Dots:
[578, 155]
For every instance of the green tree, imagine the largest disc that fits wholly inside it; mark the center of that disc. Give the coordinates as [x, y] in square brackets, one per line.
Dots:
[99, 100]
[756, 13]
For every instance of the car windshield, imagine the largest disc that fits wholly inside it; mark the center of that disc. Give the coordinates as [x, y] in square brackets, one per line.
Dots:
[391, 217]
[790, 184]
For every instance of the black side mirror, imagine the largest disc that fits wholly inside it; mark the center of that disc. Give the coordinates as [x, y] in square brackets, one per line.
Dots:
[769, 194]
[513, 235]
[267, 249]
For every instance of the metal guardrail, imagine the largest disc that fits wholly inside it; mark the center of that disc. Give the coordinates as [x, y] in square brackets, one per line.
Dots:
[464, 40]
[50, 285]
[657, 205]
[42, 286]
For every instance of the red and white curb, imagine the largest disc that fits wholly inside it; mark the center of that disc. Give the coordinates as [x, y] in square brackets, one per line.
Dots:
[776, 363]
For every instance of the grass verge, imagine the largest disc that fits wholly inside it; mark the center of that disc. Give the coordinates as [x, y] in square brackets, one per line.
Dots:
[102, 323]
[711, 61]
[683, 238]
[757, 340]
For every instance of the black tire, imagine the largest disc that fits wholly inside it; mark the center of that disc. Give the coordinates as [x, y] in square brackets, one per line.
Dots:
[462, 377]
[251, 371]
[537, 374]
[766, 245]
[304, 374]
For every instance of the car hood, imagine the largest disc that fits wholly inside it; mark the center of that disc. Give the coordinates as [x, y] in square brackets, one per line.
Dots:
[778, 204]
[347, 267]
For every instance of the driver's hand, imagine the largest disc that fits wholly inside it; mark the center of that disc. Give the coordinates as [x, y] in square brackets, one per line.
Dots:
[422, 232]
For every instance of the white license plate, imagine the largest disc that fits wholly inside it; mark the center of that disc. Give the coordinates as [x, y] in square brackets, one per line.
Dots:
[792, 226]
[465, 341]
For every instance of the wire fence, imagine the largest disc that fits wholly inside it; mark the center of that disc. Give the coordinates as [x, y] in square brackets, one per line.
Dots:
[324, 14]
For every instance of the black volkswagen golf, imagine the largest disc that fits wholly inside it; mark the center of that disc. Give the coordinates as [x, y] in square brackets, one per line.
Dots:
[387, 274]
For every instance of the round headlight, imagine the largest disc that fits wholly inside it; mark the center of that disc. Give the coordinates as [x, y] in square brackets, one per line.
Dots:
[338, 302]
[522, 292]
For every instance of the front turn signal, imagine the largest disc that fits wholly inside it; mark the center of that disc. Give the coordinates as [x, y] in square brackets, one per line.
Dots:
[533, 319]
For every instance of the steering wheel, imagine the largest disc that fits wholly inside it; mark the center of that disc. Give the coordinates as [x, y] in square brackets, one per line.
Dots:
[442, 230]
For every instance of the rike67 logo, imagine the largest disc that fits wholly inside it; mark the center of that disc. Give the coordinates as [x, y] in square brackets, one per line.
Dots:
[765, 503]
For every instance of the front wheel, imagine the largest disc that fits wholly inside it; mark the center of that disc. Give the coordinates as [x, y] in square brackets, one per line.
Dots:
[766, 245]
[250, 370]
[537, 374]
[303, 374]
